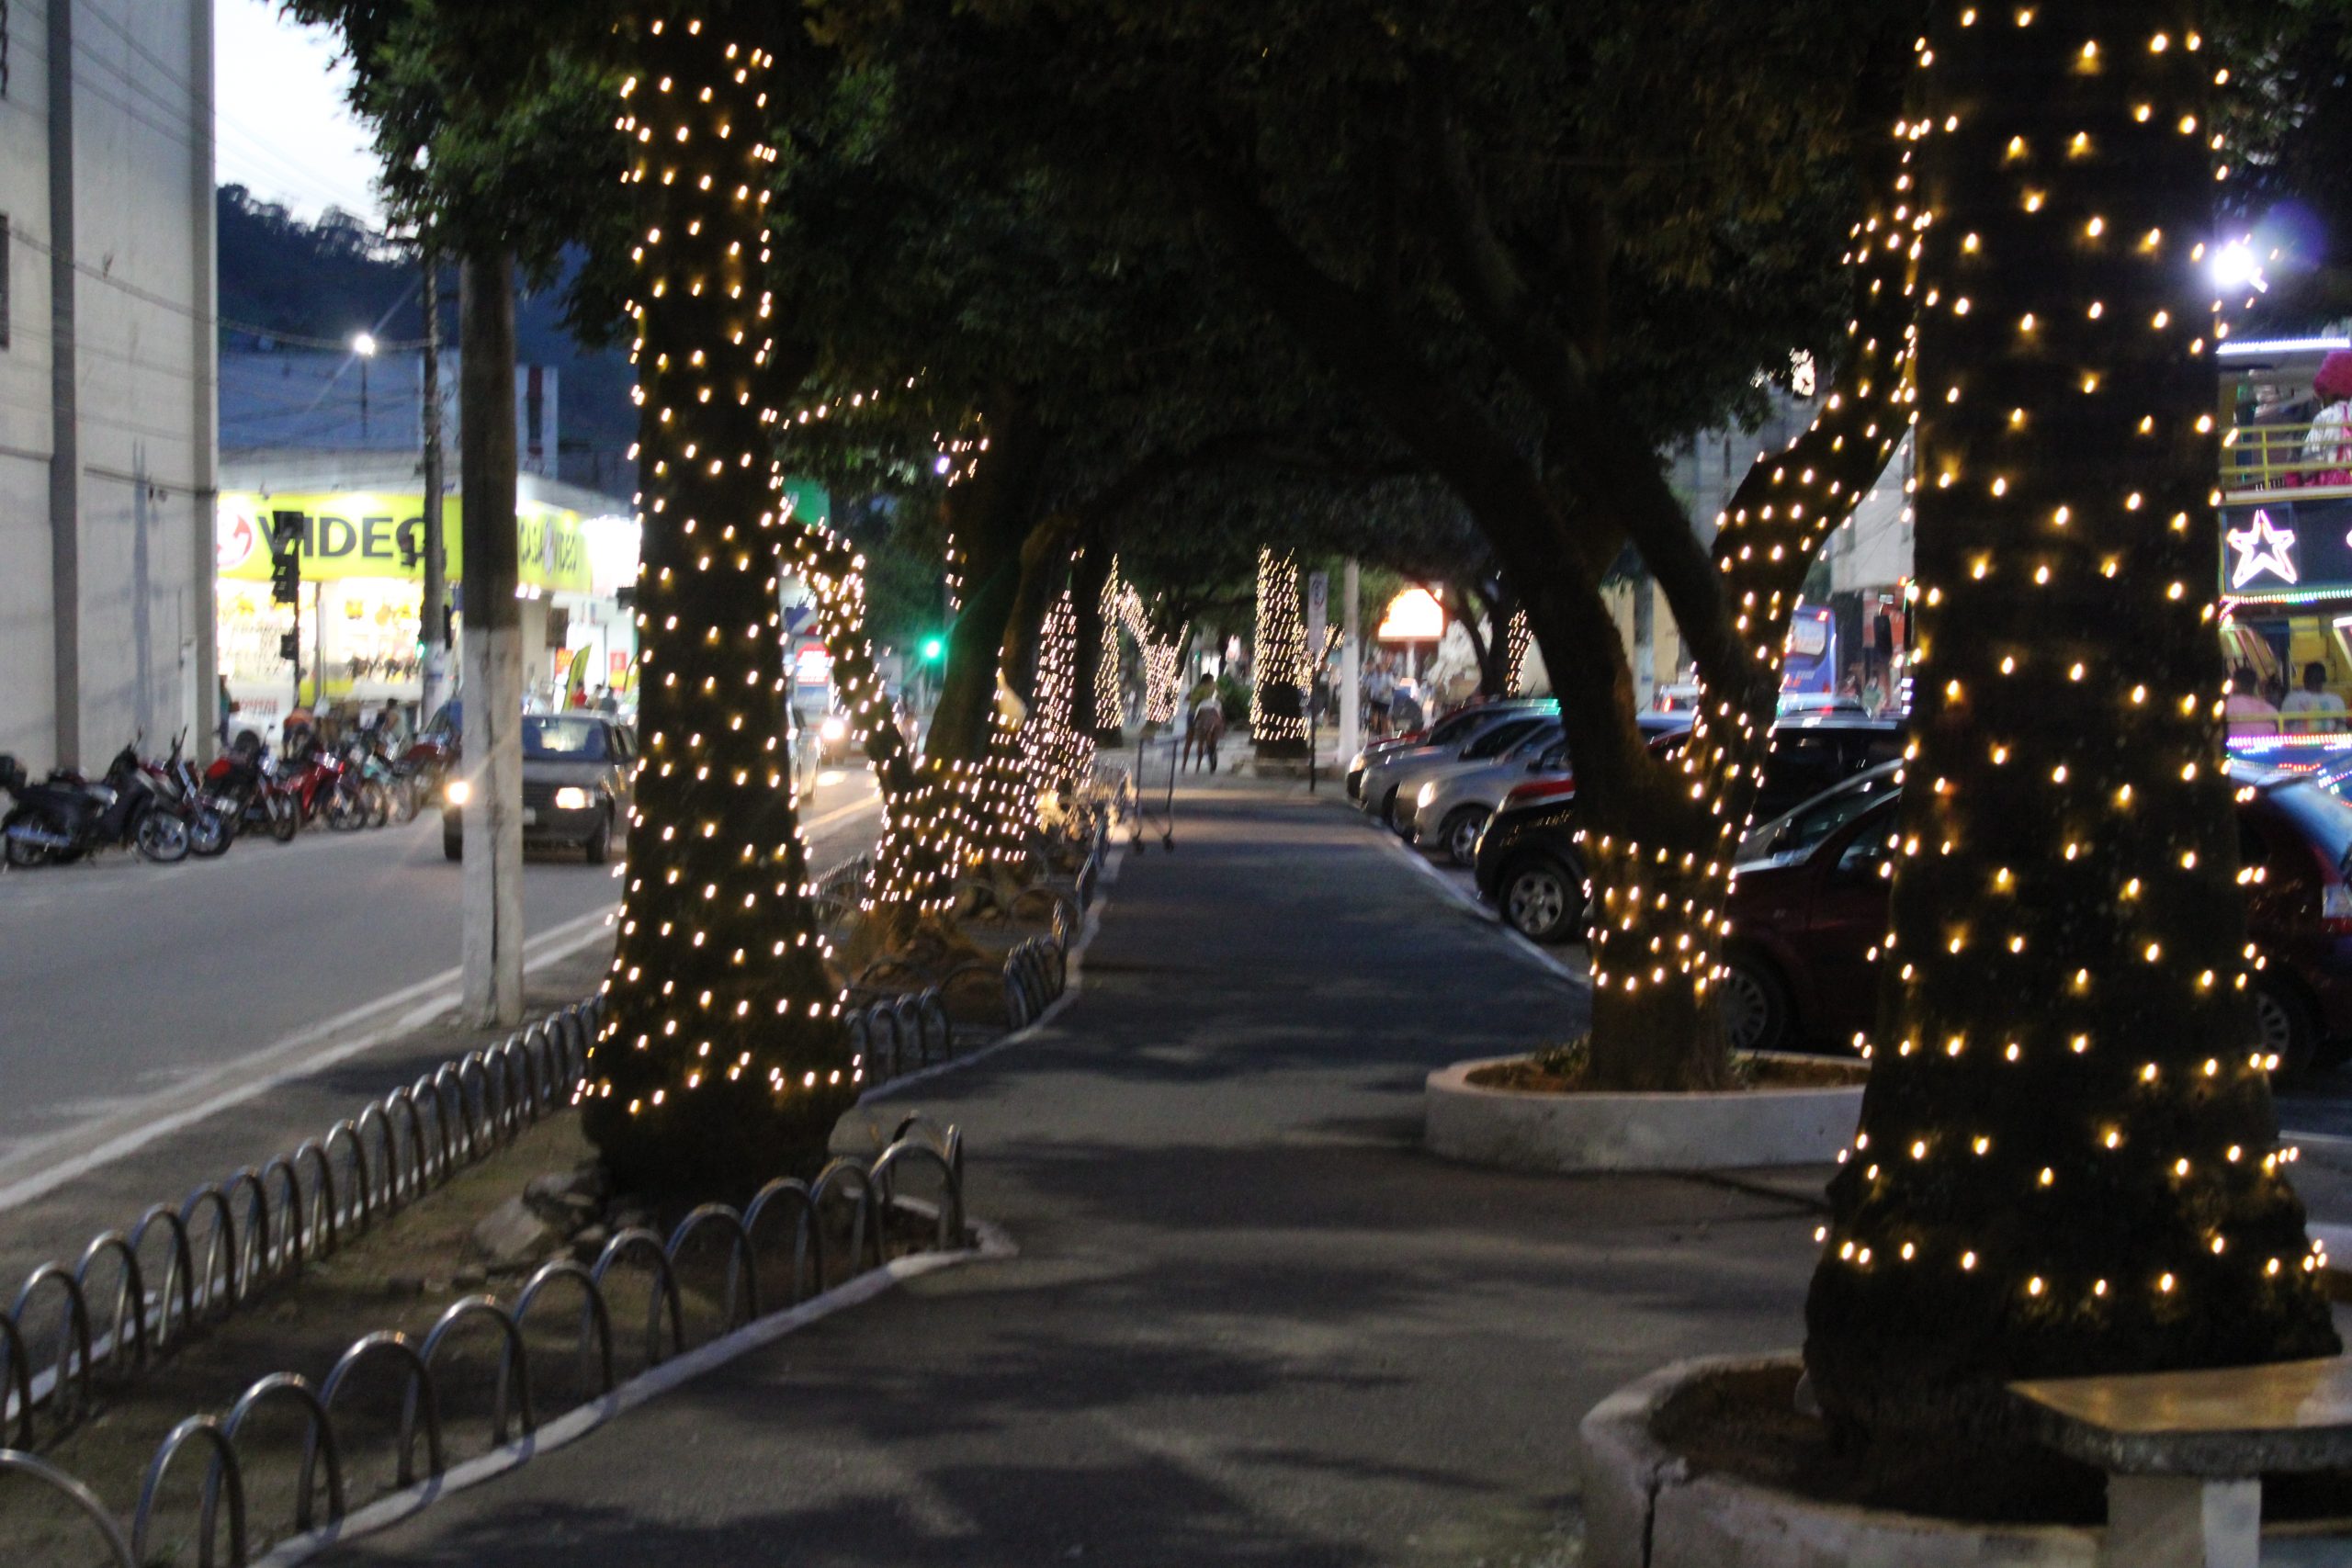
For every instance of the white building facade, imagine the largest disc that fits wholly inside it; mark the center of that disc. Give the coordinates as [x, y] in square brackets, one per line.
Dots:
[107, 355]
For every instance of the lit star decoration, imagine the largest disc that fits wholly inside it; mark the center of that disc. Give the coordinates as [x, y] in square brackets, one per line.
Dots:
[723, 1058]
[1278, 699]
[2264, 546]
[2093, 1184]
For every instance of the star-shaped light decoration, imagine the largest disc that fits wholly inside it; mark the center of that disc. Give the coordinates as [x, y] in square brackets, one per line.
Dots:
[2263, 548]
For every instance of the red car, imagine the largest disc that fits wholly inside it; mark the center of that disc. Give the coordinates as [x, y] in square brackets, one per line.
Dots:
[1809, 910]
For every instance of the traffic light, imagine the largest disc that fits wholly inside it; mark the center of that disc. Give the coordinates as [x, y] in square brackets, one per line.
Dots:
[934, 650]
[289, 647]
[285, 561]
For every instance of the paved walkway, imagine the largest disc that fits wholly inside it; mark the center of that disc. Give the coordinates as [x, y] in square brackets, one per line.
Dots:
[1250, 1323]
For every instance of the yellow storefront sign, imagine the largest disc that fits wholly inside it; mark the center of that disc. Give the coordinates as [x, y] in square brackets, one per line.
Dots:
[370, 534]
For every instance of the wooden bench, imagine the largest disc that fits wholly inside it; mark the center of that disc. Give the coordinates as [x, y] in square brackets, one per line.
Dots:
[2185, 1452]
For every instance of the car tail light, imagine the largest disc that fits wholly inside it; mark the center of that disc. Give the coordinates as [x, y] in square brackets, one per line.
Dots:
[2336, 910]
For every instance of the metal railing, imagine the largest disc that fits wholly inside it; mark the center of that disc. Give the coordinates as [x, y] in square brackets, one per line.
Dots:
[868, 1193]
[2285, 457]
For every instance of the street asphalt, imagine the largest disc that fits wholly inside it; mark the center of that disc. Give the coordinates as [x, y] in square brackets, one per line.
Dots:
[130, 987]
[1250, 1322]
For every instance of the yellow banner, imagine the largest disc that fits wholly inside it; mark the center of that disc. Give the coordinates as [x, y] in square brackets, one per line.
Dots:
[363, 533]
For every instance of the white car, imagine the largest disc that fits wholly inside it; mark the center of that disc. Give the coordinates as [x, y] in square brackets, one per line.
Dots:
[1449, 809]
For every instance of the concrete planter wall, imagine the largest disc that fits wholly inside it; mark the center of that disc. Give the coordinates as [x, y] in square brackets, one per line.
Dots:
[1644, 1509]
[1516, 1130]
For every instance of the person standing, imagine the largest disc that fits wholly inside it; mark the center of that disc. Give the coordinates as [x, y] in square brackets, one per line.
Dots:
[2249, 713]
[2314, 709]
[227, 711]
[2330, 441]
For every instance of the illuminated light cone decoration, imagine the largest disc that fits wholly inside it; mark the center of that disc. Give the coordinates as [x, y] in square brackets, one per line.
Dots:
[1662, 914]
[1517, 641]
[2083, 1176]
[723, 1059]
[1110, 704]
[1278, 698]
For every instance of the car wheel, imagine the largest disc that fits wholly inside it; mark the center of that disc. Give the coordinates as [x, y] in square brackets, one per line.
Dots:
[1460, 835]
[1755, 1005]
[453, 846]
[2283, 1029]
[599, 845]
[1388, 810]
[1541, 900]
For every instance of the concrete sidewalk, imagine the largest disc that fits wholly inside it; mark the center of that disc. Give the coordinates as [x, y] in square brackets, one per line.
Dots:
[1250, 1322]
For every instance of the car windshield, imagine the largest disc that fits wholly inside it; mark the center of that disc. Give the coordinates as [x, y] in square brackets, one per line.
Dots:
[1500, 739]
[1809, 825]
[552, 739]
[1531, 747]
[1448, 731]
[2321, 817]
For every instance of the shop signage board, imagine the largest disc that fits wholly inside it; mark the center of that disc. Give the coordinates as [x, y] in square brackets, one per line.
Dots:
[2285, 551]
[367, 534]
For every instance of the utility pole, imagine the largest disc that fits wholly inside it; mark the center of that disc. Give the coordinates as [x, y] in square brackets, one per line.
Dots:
[1352, 673]
[493, 942]
[433, 617]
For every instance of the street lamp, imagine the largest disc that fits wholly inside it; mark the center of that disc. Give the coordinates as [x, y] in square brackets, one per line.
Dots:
[364, 345]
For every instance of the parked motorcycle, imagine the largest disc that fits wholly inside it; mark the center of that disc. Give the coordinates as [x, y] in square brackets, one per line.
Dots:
[68, 817]
[242, 790]
[180, 791]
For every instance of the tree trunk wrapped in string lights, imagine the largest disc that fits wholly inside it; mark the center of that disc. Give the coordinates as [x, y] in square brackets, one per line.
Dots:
[723, 1059]
[2067, 1160]
[1516, 639]
[1096, 588]
[1278, 695]
[1660, 898]
[1162, 658]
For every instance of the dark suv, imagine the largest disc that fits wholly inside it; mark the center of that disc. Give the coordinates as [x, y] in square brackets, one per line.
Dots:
[1809, 910]
[1526, 864]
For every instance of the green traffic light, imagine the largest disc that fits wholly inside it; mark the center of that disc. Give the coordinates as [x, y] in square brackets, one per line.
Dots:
[934, 650]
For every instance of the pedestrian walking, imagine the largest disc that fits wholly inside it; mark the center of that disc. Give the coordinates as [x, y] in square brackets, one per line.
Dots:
[2315, 708]
[1206, 727]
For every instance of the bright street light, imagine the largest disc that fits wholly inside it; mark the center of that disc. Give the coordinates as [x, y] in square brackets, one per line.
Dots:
[364, 345]
[2236, 267]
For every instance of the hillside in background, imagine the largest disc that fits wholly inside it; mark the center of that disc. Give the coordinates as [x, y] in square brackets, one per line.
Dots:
[287, 283]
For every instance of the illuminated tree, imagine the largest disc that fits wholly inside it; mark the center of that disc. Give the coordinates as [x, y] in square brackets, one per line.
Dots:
[2068, 1160]
[1279, 672]
[723, 1059]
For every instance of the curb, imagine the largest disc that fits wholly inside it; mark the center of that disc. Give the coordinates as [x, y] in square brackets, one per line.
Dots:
[993, 1246]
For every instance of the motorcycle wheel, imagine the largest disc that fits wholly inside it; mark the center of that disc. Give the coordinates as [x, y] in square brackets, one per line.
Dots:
[162, 838]
[345, 811]
[376, 802]
[403, 798]
[284, 819]
[22, 853]
[210, 834]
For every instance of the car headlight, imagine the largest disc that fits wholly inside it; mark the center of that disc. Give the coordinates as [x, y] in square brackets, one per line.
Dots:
[571, 799]
[1428, 793]
[459, 792]
[833, 728]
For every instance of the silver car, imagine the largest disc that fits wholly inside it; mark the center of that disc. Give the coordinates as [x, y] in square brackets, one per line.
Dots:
[1449, 809]
[1400, 778]
[1454, 726]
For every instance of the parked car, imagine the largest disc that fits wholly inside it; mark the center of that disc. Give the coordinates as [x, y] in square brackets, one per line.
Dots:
[576, 769]
[1445, 731]
[1450, 809]
[1809, 910]
[1526, 863]
[1384, 775]
[1488, 747]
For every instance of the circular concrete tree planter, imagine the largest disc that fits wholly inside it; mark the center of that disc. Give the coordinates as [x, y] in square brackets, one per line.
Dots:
[1518, 1130]
[1643, 1508]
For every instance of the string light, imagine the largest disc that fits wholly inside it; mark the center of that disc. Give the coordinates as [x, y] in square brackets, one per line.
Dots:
[2127, 1095]
[1278, 699]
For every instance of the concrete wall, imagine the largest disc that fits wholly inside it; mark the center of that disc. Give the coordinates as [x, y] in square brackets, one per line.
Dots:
[142, 305]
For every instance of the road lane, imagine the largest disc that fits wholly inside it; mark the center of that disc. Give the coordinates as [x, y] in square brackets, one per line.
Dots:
[123, 981]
